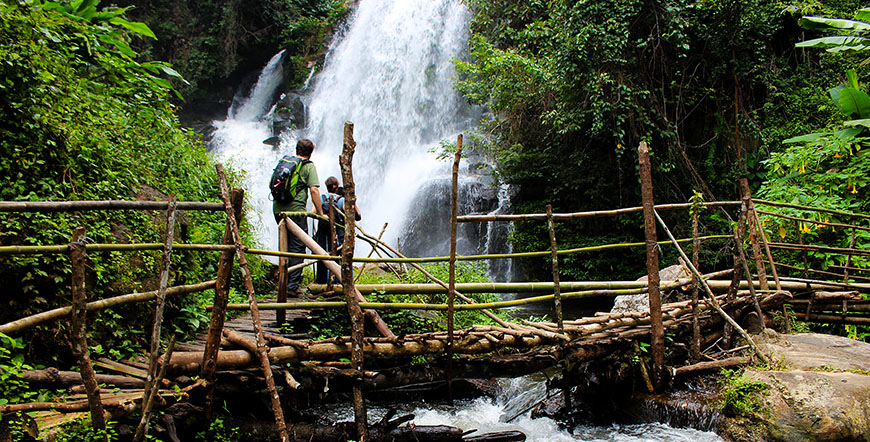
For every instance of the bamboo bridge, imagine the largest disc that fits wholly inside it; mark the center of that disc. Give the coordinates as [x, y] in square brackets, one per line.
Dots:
[251, 352]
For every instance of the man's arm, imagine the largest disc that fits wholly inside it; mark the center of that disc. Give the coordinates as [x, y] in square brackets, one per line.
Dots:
[315, 198]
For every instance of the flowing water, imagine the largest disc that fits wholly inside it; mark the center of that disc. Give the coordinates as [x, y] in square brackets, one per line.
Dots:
[390, 73]
[489, 415]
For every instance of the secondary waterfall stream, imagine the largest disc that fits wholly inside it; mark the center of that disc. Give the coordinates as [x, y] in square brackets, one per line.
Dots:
[390, 73]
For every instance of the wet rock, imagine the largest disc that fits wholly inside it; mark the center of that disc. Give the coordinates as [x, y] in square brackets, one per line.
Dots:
[289, 113]
[820, 391]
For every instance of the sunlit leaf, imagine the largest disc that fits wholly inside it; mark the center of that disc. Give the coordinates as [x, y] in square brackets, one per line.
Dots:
[821, 23]
[137, 27]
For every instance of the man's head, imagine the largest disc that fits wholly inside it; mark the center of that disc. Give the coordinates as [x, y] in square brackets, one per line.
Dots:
[332, 184]
[304, 147]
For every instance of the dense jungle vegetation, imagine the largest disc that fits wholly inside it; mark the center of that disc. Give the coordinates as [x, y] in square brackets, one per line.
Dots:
[717, 88]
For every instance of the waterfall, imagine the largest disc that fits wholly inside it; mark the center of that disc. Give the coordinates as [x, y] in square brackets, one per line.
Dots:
[390, 72]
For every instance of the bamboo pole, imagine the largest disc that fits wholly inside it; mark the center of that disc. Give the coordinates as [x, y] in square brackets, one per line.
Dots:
[810, 208]
[151, 385]
[804, 252]
[749, 273]
[753, 232]
[837, 250]
[853, 268]
[451, 292]
[696, 257]
[72, 206]
[149, 395]
[763, 236]
[657, 332]
[78, 322]
[711, 297]
[255, 313]
[554, 259]
[59, 249]
[309, 242]
[36, 319]
[849, 258]
[221, 297]
[356, 315]
[578, 215]
[811, 221]
[280, 316]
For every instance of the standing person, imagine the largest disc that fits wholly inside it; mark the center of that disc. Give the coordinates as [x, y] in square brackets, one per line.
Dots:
[324, 235]
[301, 180]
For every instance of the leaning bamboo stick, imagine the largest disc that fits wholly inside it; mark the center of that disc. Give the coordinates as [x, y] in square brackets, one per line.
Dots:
[814, 209]
[578, 215]
[255, 314]
[70, 206]
[32, 320]
[151, 384]
[711, 297]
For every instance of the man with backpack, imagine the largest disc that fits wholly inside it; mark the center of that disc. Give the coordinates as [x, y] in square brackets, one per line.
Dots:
[292, 180]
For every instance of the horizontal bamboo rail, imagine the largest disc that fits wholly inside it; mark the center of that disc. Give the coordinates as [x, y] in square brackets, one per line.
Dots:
[814, 209]
[837, 250]
[30, 321]
[578, 215]
[834, 319]
[71, 206]
[811, 221]
[444, 307]
[790, 284]
[855, 269]
[820, 272]
[64, 248]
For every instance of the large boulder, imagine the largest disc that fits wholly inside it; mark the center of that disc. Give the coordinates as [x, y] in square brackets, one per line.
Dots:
[820, 391]
[640, 303]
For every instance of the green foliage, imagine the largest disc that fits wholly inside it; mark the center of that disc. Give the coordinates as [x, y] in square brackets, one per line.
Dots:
[740, 396]
[11, 364]
[218, 432]
[83, 431]
[82, 120]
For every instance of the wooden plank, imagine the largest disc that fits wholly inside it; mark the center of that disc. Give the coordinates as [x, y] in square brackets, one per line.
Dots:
[111, 365]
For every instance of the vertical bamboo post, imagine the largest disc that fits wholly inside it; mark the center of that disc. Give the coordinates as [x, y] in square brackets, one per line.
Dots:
[451, 291]
[804, 251]
[78, 322]
[696, 258]
[283, 246]
[218, 312]
[763, 237]
[554, 259]
[753, 233]
[657, 332]
[333, 240]
[751, 283]
[848, 259]
[739, 266]
[356, 315]
[262, 351]
[151, 384]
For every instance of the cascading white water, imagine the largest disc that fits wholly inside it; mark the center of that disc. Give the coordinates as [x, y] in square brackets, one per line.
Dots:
[391, 74]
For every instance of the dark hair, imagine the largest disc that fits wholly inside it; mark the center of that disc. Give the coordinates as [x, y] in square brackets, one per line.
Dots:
[339, 191]
[332, 184]
[304, 147]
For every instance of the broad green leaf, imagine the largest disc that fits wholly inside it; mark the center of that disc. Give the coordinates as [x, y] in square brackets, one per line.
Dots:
[852, 132]
[87, 4]
[837, 43]
[863, 14]
[120, 44]
[855, 102]
[852, 123]
[106, 15]
[808, 138]
[852, 79]
[137, 27]
[820, 23]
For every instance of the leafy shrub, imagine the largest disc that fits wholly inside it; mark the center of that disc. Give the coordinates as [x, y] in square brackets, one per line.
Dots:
[740, 396]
